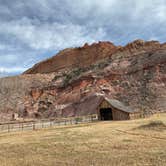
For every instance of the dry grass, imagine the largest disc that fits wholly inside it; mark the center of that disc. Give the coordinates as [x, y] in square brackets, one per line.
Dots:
[96, 144]
[153, 125]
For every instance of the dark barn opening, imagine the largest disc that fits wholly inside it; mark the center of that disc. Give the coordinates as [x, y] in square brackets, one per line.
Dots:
[106, 114]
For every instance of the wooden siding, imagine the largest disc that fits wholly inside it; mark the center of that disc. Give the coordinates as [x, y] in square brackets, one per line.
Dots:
[120, 115]
[117, 114]
[105, 104]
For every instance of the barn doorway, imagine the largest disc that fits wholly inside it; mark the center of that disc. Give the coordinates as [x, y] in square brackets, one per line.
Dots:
[106, 114]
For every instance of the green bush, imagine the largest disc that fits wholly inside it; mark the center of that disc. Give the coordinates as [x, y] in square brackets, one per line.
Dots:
[78, 119]
[72, 76]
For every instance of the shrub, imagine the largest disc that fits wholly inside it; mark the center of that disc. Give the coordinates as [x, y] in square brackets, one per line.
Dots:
[78, 119]
[72, 75]
[153, 125]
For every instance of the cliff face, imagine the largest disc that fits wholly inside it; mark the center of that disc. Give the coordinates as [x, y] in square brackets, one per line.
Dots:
[134, 74]
[74, 57]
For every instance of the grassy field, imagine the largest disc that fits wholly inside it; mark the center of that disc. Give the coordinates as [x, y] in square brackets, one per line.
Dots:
[114, 143]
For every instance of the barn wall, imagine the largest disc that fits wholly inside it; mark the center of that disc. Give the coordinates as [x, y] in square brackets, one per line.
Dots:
[105, 104]
[117, 114]
[120, 115]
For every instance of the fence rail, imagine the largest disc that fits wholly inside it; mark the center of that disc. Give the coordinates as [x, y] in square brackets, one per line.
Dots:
[34, 125]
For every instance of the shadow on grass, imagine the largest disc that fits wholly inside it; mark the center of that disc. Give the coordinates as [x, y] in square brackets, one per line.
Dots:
[153, 125]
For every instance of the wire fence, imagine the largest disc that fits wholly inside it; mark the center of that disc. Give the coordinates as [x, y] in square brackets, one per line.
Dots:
[34, 125]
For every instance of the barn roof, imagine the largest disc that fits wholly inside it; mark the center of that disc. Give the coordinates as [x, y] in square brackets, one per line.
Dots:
[119, 105]
[89, 104]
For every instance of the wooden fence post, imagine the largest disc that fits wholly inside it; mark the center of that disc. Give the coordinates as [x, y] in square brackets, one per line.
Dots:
[22, 126]
[33, 125]
[42, 124]
[8, 127]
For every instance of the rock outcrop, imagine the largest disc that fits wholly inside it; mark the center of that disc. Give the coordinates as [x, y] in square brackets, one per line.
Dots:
[74, 57]
[134, 74]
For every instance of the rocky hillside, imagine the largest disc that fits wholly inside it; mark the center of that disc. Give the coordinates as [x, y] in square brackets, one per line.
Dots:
[74, 57]
[134, 74]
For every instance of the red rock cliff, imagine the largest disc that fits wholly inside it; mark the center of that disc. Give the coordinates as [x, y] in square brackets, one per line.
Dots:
[134, 74]
[74, 57]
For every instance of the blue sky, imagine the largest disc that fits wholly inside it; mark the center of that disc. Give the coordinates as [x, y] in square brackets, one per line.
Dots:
[33, 30]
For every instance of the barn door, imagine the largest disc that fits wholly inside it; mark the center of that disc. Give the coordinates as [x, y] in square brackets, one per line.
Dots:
[106, 114]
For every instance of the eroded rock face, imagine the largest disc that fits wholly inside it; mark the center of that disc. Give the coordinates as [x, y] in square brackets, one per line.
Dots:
[134, 74]
[74, 57]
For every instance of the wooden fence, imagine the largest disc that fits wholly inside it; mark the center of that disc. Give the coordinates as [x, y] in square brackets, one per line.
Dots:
[34, 125]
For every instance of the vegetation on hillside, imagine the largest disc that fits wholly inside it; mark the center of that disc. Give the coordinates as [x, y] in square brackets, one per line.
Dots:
[74, 74]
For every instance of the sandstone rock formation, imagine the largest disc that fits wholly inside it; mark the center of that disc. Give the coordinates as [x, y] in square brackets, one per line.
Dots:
[134, 74]
[74, 57]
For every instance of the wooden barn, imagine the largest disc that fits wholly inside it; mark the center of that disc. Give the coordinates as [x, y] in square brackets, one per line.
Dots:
[111, 109]
[105, 108]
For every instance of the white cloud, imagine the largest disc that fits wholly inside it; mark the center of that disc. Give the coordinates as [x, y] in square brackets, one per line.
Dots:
[30, 29]
[50, 36]
[76, 22]
[11, 69]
